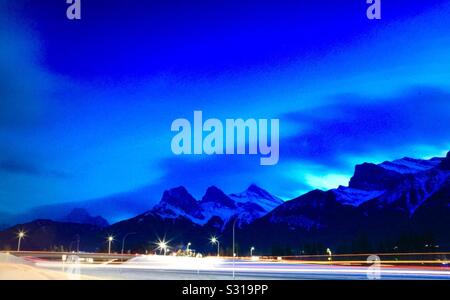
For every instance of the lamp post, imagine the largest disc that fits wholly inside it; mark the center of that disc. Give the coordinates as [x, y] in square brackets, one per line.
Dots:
[187, 248]
[20, 236]
[123, 240]
[234, 252]
[110, 240]
[78, 242]
[251, 251]
[214, 240]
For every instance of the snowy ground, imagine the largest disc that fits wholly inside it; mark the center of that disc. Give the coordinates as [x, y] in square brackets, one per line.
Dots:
[14, 268]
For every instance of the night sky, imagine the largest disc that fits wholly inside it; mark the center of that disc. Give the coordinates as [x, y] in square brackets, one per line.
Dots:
[86, 106]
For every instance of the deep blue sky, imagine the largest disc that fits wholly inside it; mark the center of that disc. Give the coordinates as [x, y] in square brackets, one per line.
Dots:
[86, 106]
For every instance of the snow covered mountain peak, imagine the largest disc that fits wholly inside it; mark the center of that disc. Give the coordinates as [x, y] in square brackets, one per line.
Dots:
[178, 202]
[215, 205]
[218, 198]
[389, 174]
[403, 184]
[255, 194]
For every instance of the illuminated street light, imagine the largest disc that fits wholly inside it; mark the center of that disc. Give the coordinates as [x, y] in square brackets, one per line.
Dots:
[329, 253]
[214, 240]
[251, 251]
[110, 240]
[162, 246]
[187, 248]
[20, 236]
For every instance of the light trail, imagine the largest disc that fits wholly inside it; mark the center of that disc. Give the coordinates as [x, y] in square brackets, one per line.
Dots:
[365, 254]
[223, 267]
[146, 266]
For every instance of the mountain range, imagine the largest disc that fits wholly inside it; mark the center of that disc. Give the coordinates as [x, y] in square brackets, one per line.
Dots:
[399, 205]
[127, 203]
[404, 202]
[215, 206]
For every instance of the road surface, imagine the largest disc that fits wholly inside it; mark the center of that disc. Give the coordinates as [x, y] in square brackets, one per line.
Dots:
[182, 268]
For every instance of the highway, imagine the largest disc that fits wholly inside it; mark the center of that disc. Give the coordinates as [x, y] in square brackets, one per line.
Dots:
[156, 267]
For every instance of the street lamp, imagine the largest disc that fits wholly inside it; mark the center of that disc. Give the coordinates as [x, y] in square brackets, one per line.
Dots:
[251, 251]
[187, 248]
[110, 240]
[123, 240]
[234, 252]
[162, 246]
[20, 236]
[329, 253]
[78, 242]
[214, 240]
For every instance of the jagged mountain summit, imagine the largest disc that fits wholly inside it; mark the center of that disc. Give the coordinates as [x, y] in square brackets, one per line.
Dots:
[81, 216]
[259, 196]
[178, 202]
[404, 183]
[215, 206]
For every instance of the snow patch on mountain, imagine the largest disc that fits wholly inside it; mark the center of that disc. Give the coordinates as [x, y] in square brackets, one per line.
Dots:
[410, 165]
[355, 197]
[257, 195]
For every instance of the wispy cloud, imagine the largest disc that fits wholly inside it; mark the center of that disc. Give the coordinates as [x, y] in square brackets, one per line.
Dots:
[355, 126]
[27, 168]
[24, 84]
